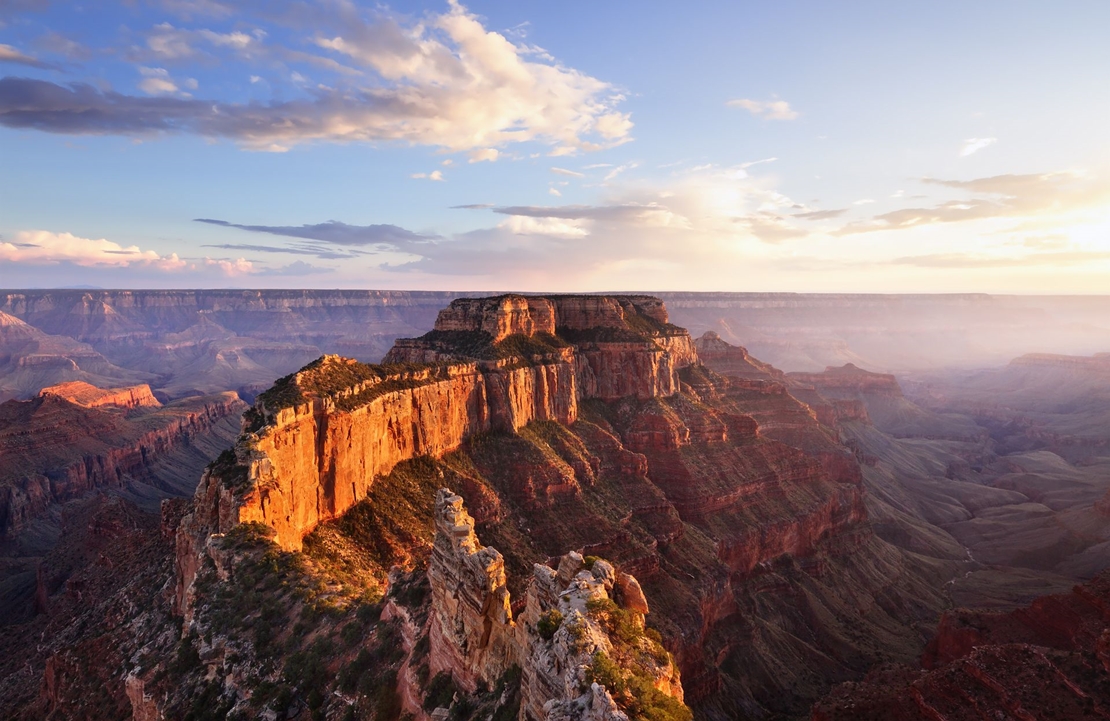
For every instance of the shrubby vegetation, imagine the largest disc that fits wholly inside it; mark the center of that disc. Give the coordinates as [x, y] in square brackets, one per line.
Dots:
[629, 674]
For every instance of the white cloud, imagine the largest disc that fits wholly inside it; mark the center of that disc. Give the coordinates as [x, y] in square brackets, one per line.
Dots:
[766, 109]
[612, 174]
[974, 145]
[864, 201]
[555, 192]
[525, 225]
[231, 268]
[434, 175]
[157, 81]
[42, 247]
[571, 173]
[483, 154]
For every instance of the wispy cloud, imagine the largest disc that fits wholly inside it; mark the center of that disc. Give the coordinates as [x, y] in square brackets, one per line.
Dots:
[970, 260]
[999, 196]
[8, 54]
[334, 232]
[766, 109]
[569, 173]
[436, 175]
[821, 214]
[483, 155]
[974, 145]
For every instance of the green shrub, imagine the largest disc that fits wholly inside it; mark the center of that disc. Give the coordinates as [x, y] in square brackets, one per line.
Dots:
[549, 623]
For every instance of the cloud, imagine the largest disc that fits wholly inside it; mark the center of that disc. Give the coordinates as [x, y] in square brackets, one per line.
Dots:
[336, 233]
[8, 54]
[484, 154]
[434, 175]
[612, 174]
[318, 251]
[58, 44]
[634, 213]
[570, 173]
[864, 201]
[974, 145]
[999, 196]
[472, 206]
[821, 214]
[444, 81]
[968, 260]
[230, 268]
[772, 229]
[296, 268]
[157, 81]
[42, 247]
[167, 42]
[766, 109]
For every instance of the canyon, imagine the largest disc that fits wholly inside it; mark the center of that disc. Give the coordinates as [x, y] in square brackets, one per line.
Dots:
[195, 342]
[674, 526]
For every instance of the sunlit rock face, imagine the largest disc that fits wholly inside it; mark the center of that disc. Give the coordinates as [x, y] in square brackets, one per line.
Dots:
[472, 633]
[327, 431]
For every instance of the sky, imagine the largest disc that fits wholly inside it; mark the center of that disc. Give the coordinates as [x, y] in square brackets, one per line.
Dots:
[569, 146]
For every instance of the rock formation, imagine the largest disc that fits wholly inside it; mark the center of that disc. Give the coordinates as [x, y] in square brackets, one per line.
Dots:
[74, 438]
[89, 396]
[472, 634]
[562, 643]
[323, 434]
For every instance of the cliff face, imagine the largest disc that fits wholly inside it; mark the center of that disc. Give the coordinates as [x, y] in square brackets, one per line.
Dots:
[54, 449]
[329, 430]
[472, 634]
[89, 396]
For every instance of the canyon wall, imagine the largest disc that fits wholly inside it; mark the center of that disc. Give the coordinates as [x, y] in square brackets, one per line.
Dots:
[329, 430]
[54, 450]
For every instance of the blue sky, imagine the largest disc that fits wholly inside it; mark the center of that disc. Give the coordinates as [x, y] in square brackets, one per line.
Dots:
[795, 146]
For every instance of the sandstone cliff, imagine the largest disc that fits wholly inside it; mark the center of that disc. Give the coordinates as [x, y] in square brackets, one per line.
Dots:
[89, 396]
[320, 437]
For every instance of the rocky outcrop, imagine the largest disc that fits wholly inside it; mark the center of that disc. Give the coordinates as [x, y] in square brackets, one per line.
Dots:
[89, 396]
[733, 360]
[622, 345]
[849, 378]
[562, 643]
[472, 634]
